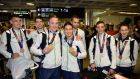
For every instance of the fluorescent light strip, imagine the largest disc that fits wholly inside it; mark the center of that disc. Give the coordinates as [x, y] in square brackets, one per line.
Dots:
[30, 4]
[4, 11]
[129, 13]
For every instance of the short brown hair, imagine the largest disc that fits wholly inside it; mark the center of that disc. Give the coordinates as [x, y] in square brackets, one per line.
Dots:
[124, 25]
[99, 22]
[52, 16]
[75, 16]
[39, 17]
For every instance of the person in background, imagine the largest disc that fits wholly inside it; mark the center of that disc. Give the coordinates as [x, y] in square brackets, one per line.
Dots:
[102, 52]
[127, 51]
[110, 30]
[71, 54]
[137, 30]
[2, 72]
[79, 33]
[48, 47]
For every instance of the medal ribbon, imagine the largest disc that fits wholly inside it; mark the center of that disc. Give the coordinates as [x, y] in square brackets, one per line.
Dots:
[71, 41]
[54, 34]
[20, 42]
[103, 42]
[121, 50]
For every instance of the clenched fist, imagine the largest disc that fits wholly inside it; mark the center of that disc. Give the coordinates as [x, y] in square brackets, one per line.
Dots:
[15, 55]
[73, 52]
[48, 49]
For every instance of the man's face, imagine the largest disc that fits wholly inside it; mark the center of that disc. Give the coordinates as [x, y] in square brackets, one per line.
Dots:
[68, 30]
[39, 23]
[16, 22]
[100, 28]
[75, 22]
[53, 24]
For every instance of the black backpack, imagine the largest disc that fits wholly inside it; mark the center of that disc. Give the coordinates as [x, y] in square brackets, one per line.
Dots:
[8, 36]
[131, 49]
[29, 41]
[108, 48]
[43, 44]
[80, 61]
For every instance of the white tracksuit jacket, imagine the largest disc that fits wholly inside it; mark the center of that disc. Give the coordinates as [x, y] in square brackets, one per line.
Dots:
[102, 59]
[125, 61]
[69, 62]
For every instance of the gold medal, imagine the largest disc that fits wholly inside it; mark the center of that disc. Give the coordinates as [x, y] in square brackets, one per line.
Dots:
[71, 49]
[22, 50]
[120, 57]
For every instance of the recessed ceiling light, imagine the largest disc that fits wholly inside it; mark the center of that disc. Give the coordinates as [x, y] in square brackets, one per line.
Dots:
[30, 4]
[133, 5]
[1, 4]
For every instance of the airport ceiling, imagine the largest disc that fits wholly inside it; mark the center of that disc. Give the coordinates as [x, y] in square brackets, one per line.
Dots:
[125, 5]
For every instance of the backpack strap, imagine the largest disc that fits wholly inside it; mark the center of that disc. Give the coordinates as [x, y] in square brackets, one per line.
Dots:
[80, 61]
[43, 43]
[8, 36]
[42, 46]
[60, 36]
[28, 41]
[131, 50]
[94, 47]
[25, 33]
[109, 49]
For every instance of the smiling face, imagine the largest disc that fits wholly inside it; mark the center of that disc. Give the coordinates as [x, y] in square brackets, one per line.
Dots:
[100, 28]
[39, 23]
[68, 30]
[53, 24]
[124, 30]
[16, 22]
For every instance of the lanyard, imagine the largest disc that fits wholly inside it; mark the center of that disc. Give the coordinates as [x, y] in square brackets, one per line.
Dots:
[103, 42]
[121, 50]
[20, 42]
[54, 34]
[71, 41]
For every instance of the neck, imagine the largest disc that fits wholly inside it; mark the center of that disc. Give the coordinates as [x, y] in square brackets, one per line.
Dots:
[69, 37]
[101, 33]
[52, 30]
[75, 28]
[16, 28]
[123, 37]
[39, 29]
